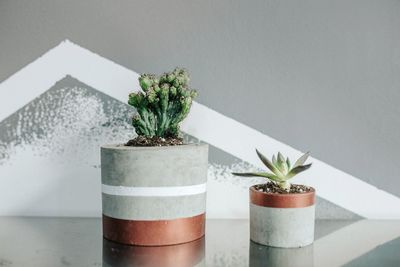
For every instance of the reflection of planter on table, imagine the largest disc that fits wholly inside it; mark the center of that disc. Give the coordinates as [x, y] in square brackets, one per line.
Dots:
[181, 255]
[280, 257]
[154, 195]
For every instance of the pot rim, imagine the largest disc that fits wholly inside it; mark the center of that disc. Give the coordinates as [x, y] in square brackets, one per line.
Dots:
[276, 200]
[121, 146]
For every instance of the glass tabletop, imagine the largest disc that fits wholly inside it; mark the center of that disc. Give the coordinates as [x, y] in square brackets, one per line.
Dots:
[38, 241]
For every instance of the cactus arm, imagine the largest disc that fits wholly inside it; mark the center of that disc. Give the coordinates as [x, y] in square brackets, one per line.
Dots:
[153, 123]
[149, 120]
[163, 119]
[140, 126]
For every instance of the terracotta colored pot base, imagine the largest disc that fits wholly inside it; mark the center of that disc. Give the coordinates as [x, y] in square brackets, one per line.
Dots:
[154, 233]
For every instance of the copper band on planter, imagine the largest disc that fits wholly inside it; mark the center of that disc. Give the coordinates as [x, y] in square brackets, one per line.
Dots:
[275, 200]
[154, 233]
[182, 255]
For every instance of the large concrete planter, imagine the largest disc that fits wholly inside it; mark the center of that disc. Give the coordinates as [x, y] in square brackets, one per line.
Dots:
[154, 196]
[282, 220]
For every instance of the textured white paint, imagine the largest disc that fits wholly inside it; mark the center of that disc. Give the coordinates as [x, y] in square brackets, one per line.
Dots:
[166, 191]
[65, 59]
[203, 123]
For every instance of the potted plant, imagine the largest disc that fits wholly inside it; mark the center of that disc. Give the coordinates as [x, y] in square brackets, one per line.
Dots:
[154, 186]
[281, 214]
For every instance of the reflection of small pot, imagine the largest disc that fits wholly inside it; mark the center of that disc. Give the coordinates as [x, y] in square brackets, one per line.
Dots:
[282, 220]
[280, 257]
[182, 255]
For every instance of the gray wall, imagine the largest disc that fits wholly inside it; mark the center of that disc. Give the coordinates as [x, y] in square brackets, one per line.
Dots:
[318, 75]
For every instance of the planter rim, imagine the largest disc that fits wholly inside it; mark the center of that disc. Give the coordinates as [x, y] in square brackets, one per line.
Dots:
[276, 200]
[121, 146]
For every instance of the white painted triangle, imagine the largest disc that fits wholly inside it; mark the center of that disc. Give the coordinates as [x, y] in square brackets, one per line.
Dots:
[204, 123]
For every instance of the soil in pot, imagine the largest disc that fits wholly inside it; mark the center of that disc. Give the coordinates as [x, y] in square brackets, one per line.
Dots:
[155, 141]
[272, 187]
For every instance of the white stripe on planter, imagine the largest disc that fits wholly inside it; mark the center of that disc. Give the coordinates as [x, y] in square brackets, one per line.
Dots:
[167, 191]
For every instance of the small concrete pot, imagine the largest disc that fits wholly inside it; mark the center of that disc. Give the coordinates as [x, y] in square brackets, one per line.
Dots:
[282, 220]
[154, 196]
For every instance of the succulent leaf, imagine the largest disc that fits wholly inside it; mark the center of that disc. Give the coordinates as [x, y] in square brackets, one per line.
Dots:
[302, 159]
[281, 164]
[274, 160]
[288, 163]
[298, 169]
[269, 164]
[281, 159]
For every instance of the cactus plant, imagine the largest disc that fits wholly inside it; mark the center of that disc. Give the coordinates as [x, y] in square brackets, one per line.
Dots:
[281, 169]
[162, 104]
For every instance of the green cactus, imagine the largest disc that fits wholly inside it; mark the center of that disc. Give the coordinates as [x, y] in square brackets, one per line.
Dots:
[281, 169]
[163, 104]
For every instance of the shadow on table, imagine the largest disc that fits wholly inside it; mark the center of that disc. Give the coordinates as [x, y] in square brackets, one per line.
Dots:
[187, 254]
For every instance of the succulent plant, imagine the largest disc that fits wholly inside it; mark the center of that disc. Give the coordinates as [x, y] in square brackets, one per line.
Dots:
[281, 169]
[163, 104]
